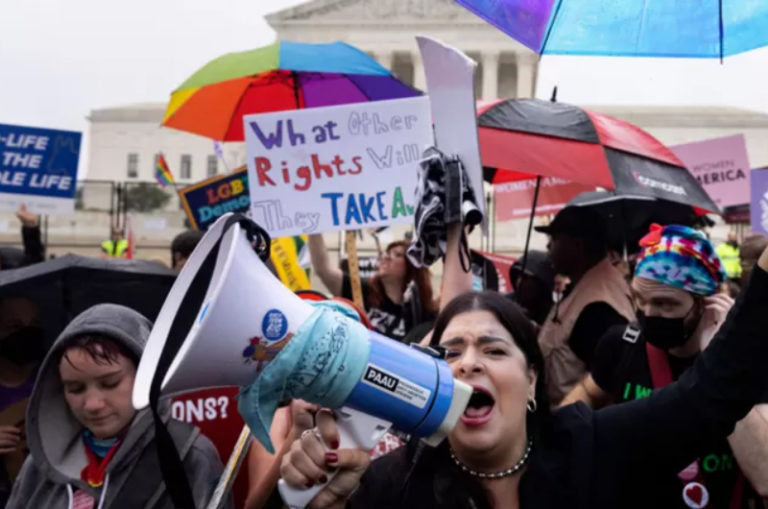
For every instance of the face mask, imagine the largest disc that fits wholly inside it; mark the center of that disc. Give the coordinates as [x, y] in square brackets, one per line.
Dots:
[25, 346]
[665, 333]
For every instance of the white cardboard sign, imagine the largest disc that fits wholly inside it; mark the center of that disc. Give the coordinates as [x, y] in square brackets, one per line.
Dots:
[336, 168]
[451, 84]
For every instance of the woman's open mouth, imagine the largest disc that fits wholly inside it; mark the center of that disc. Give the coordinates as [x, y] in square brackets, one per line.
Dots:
[479, 408]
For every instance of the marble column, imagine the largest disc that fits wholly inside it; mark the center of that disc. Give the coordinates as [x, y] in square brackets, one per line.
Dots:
[490, 76]
[526, 72]
[419, 79]
[386, 59]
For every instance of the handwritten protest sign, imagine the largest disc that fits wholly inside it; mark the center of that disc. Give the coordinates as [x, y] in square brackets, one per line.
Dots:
[451, 83]
[721, 166]
[210, 199]
[38, 167]
[515, 199]
[337, 168]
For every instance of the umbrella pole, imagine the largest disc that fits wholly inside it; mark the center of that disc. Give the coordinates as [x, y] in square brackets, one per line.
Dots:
[530, 223]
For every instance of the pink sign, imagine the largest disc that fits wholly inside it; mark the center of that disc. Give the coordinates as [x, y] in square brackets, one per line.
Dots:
[721, 166]
[514, 199]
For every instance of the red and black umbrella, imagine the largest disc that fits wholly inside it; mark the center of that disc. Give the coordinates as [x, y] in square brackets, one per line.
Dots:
[528, 138]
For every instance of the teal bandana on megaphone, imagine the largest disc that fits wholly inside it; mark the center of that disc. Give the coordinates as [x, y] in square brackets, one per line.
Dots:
[322, 363]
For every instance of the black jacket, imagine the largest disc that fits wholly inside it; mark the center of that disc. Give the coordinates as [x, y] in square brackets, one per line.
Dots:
[584, 459]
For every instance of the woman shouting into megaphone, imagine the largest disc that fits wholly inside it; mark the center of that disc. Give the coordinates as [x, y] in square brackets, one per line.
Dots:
[508, 450]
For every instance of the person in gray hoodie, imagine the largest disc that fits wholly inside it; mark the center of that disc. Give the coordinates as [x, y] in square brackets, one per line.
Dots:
[88, 447]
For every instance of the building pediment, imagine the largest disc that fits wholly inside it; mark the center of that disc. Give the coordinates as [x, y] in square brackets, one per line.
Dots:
[388, 11]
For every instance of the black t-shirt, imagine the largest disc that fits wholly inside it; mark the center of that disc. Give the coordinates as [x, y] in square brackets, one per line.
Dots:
[593, 322]
[389, 319]
[621, 368]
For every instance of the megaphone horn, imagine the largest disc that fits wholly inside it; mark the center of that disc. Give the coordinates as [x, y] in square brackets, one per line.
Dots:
[228, 321]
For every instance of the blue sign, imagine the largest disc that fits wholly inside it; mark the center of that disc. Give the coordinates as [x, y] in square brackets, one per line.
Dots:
[210, 199]
[39, 167]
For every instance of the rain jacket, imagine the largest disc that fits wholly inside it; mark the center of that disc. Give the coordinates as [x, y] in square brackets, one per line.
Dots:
[51, 473]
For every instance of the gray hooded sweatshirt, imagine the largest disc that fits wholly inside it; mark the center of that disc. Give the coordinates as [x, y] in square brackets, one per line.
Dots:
[133, 479]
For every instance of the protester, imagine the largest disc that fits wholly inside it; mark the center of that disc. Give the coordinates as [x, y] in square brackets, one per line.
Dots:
[22, 348]
[508, 450]
[678, 313]
[534, 287]
[116, 246]
[597, 298]
[728, 252]
[750, 251]
[33, 252]
[182, 246]
[396, 299]
[89, 447]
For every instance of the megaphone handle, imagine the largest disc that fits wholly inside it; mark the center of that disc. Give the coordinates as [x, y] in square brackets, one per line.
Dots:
[356, 430]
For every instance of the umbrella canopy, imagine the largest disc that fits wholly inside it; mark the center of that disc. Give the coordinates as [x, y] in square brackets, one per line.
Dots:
[628, 217]
[64, 287]
[663, 28]
[525, 138]
[282, 76]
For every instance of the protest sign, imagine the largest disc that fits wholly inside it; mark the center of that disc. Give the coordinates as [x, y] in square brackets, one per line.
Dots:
[758, 182]
[38, 167]
[285, 258]
[721, 166]
[515, 199]
[210, 199]
[214, 411]
[451, 83]
[337, 168]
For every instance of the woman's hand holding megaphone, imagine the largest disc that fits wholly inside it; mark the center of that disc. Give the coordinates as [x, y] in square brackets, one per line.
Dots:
[309, 463]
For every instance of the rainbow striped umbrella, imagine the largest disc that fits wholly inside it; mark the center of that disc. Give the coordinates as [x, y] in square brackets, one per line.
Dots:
[282, 76]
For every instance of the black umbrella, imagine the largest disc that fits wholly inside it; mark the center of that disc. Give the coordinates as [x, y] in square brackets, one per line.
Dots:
[628, 217]
[64, 287]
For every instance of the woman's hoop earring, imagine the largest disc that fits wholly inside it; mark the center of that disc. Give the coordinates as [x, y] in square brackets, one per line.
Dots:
[532, 405]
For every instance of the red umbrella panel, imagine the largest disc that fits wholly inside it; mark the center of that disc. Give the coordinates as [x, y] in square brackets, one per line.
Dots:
[525, 138]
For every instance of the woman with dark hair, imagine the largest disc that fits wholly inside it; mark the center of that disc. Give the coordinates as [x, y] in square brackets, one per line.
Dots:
[509, 450]
[397, 298]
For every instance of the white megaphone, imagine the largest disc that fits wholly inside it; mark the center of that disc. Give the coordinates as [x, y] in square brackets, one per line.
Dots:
[227, 316]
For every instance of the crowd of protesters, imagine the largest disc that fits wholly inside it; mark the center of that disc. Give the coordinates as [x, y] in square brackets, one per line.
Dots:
[591, 388]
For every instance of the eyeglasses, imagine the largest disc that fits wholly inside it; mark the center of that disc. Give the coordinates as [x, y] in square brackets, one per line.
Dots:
[391, 255]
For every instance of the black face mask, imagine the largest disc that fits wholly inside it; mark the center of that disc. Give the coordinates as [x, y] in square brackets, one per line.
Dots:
[25, 346]
[665, 333]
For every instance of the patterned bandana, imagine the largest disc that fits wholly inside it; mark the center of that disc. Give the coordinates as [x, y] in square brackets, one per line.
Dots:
[682, 257]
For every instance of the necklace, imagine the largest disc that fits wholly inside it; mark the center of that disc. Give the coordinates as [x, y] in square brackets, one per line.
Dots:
[496, 475]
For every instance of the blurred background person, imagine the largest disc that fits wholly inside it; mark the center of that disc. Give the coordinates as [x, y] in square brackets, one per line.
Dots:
[534, 287]
[22, 348]
[396, 299]
[182, 246]
[597, 298]
[729, 254]
[116, 246]
[750, 251]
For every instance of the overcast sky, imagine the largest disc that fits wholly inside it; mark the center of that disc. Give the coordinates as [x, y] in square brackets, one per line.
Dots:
[61, 58]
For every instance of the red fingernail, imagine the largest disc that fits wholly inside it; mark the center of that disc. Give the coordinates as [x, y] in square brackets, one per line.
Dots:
[323, 480]
[335, 444]
[331, 457]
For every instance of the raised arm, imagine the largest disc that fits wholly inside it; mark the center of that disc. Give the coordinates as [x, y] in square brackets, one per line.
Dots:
[749, 443]
[455, 280]
[665, 432]
[331, 276]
